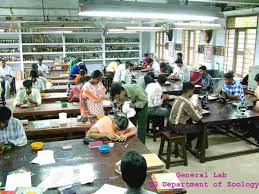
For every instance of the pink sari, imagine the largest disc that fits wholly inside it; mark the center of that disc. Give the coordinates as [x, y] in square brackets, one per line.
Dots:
[91, 99]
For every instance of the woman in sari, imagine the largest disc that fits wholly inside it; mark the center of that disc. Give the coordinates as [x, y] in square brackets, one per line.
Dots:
[92, 96]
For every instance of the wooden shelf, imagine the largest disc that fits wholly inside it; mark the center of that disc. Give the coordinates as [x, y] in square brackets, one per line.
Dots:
[77, 52]
[120, 51]
[9, 44]
[43, 53]
[92, 59]
[71, 43]
[107, 43]
[134, 58]
[44, 61]
[8, 54]
[43, 44]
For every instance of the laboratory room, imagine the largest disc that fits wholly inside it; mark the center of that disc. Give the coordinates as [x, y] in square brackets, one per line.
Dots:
[129, 96]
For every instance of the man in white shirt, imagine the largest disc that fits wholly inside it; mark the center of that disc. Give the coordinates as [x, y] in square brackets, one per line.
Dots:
[11, 129]
[153, 64]
[144, 80]
[155, 98]
[42, 67]
[112, 66]
[27, 95]
[6, 74]
[180, 72]
[123, 73]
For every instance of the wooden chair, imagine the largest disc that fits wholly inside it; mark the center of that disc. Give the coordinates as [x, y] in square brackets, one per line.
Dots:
[177, 139]
[157, 124]
[2, 95]
[13, 86]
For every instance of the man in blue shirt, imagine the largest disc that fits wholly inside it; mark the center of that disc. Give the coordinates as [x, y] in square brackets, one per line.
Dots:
[205, 79]
[75, 70]
[232, 89]
[11, 129]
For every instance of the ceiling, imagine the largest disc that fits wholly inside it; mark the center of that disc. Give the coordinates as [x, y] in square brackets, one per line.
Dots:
[67, 10]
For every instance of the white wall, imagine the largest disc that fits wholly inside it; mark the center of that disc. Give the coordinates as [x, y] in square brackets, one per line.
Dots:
[148, 42]
[218, 61]
[218, 39]
[257, 47]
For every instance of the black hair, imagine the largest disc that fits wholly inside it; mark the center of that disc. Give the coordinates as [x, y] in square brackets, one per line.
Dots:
[148, 79]
[180, 54]
[161, 79]
[178, 61]
[82, 71]
[27, 83]
[115, 89]
[257, 77]
[84, 79]
[187, 86]
[203, 68]
[228, 75]
[151, 74]
[40, 59]
[146, 55]
[118, 61]
[133, 169]
[34, 66]
[128, 64]
[149, 61]
[34, 73]
[96, 73]
[163, 65]
[122, 122]
[6, 113]
[78, 60]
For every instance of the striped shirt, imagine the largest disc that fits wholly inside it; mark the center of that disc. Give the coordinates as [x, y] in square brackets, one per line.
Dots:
[13, 133]
[235, 89]
[206, 80]
[183, 110]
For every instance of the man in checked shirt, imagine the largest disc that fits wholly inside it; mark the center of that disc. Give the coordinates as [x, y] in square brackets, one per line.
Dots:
[232, 89]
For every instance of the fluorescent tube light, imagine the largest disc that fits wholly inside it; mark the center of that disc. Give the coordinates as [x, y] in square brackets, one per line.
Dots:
[144, 28]
[120, 30]
[197, 26]
[58, 31]
[143, 15]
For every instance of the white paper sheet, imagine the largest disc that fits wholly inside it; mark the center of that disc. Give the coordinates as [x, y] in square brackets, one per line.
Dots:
[106, 188]
[44, 157]
[87, 174]
[18, 180]
[127, 110]
[59, 177]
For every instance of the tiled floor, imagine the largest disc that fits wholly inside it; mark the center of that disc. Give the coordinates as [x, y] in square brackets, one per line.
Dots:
[238, 169]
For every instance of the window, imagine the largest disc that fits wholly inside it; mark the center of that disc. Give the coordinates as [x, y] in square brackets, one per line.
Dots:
[190, 47]
[240, 45]
[161, 38]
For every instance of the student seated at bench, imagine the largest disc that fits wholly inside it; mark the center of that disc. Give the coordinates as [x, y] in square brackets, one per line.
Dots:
[115, 128]
[75, 92]
[185, 118]
[27, 95]
[36, 81]
[11, 129]
[134, 172]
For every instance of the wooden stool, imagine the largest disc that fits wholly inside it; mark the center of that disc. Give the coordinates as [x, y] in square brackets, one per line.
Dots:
[157, 122]
[177, 139]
